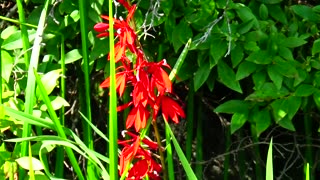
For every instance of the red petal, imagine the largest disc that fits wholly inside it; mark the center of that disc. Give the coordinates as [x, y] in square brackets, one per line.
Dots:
[105, 83]
[139, 169]
[101, 27]
[104, 34]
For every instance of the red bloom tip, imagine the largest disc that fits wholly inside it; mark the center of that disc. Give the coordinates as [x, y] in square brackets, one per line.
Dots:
[138, 117]
[101, 27]
[171, 109]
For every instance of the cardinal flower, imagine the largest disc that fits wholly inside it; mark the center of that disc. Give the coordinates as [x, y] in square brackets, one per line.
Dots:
[170, 108]
[140, 156]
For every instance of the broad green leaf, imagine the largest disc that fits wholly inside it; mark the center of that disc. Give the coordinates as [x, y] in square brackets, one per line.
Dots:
[245, 69]
[245, 13]
[304, 90]
[280, 109]
[251, 46]
[263, 12]
[8, 31]
[267, 92]
[277, 13]
[262, 120]
[218, 49]
[185, 31]
[49, 81]
[316, 47]
[72, 56]
[245, 26]
[275, 77]
[236, 55]
[293, 104]
[269, 168]
[57, 102]
[14, 41]
[38, 176]
[24, 162]
[287, 124]
[201, 76]
[286, 68]
[286, 53]
[259, 78]
[237, 121]
[233, 106]
[260, 57]
[228, 77]
[306, 13]
[7, 65]
[301, 76]
[292, 42]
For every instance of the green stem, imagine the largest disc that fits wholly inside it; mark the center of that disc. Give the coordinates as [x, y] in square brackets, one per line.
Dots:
[113, 123]
[309, 151]
[84, 39]
[60, 150]
[30, 90]
[199, 147]
[169, 154]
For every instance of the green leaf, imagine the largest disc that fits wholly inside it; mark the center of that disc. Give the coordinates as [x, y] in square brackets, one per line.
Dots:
[267, 92]
[218, 49]
[292, 42]
[260, 57]
[306, 13]
[304, 90]
[286, 53]
[24, 162]
[201, 76]
[245, 26]
[263, 12]
[286, 68]
[237, 121]
[316, 98]
[228, 77]
[236, 55]
[14, 41]
[245, 69]
[293, 104]
[275, 77]
[269, 170]
[316, 47]
[8, 31]
[277, 13]
[57, 102]
[72, 56]
[49, 81]
[6, 66]
[262, 119]
[287, 124]
[280, 109]
[233, 106]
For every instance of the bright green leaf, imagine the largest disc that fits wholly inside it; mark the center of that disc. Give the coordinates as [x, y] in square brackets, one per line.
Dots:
[233, 106]
[260, 57]
[24, 162]
[316, 47]
[304, 90]
[292, 42]
[8, 31]
[72, 56]
[49, 81]
[236, 55]
[293, 104]
[245, 69]
[7, 65]
[14, 41]
[237, 121]
[275, 77]
[201, 76]
[228, 77]
[280, 109]
[57, 102]
[306, 13]
[277, 13]
[262, 119]
[286, 53]
[269, 168]
[316, 98]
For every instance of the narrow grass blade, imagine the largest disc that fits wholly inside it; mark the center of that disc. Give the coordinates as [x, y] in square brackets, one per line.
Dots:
[30, 90]
[170, 169]
[57, 125]
[269, 170]
[199, 146]
[83, 8]
[307, 172]
[100, 133]
[190, 117]
[60, 150]
[113, 123]
[186, 166]
[180, 61]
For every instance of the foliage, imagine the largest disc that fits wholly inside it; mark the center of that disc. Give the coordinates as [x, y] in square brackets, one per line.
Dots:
[254, 64]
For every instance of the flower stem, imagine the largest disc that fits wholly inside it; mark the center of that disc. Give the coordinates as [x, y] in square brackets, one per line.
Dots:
[163, 163]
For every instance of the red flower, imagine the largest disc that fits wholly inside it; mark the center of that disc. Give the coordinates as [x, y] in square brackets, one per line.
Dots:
[160, 78]
[143, 163]
[170, 109]
[138, 117]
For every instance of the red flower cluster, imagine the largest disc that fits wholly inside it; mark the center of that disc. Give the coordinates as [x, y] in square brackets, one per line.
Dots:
[143, 164]
[151, 85]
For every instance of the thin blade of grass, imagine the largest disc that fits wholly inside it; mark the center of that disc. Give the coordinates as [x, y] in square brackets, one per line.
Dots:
[199, 138]
[185, 164]
[113, 123]
[307, 172]
[269, 169]
[87, 134]
[100, 133]
[57, 125]
[190, 117]
[30, 90]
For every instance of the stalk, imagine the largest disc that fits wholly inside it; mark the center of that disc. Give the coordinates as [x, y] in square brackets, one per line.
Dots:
[169, 155]
[30, 90]
[113, 124]
[309, 152]
[162, 158]
[24, 33]
[199, 147]
[87, 134]
[60, 150]
[190, 117]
